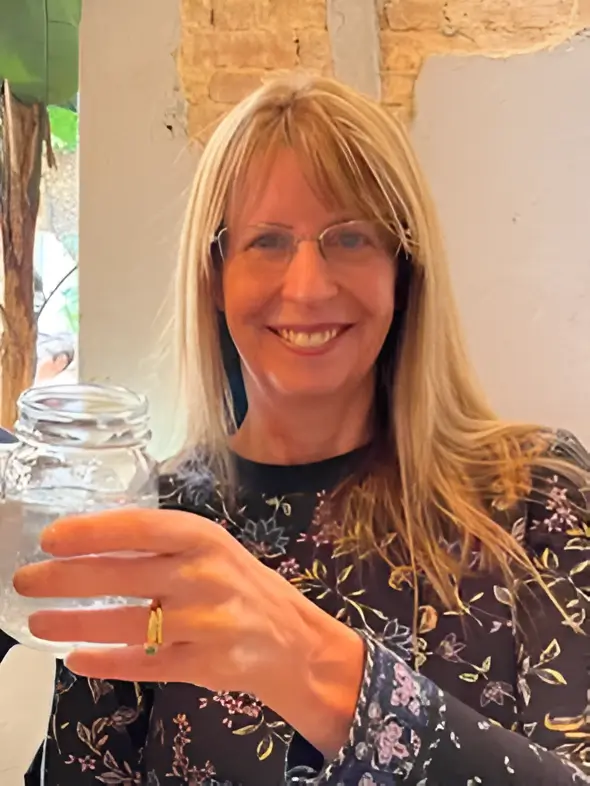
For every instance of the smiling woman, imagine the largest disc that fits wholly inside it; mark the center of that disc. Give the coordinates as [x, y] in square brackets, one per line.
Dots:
[347, 575]
[308, 298]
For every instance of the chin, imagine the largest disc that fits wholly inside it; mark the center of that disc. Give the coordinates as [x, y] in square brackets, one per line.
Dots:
[307, 389]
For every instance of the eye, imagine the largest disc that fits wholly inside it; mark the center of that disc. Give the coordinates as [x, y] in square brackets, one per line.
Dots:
[354, 240]
[349, 239]
[269, 241]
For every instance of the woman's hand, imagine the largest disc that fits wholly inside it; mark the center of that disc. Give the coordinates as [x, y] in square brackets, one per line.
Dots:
[229, 622]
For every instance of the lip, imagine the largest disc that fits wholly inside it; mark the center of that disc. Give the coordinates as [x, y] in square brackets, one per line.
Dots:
[320, 327]
[320, 350]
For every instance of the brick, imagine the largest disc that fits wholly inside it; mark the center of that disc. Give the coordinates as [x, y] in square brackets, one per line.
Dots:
[382, 14]
[297, 14]
[236, 14]
[402, 53]
[315, 52]
[194, 82]
[196, 14]
[239, 49]
[583, 14]
[497, 16]
[415, 15]
[544, 14]
[229, 87]
[268, 14]
[397, 89]
[203, 117]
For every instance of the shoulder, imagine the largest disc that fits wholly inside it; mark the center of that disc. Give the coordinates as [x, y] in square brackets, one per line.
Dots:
[557, 508]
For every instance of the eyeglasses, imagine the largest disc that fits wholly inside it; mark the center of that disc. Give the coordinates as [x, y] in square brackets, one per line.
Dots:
[350, 241]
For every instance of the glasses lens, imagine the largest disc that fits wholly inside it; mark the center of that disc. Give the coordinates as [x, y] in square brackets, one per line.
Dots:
[266, 244]
[355, 240]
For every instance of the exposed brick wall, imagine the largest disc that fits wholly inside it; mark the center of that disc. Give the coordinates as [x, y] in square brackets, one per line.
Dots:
[229, 46]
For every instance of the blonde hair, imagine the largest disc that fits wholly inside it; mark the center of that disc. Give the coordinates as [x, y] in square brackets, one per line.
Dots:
[446, 454]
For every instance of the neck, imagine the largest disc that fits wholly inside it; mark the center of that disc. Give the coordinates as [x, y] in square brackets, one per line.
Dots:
[304, 432]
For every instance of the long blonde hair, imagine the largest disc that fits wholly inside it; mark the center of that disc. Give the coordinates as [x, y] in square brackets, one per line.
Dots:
[445, 451]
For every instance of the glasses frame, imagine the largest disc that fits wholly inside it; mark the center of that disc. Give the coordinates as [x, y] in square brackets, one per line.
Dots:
[318, 239]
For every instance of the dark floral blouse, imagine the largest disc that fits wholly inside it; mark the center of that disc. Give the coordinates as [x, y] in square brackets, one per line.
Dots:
[495, 694]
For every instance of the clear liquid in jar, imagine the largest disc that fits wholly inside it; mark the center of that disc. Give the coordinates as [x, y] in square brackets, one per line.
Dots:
[21, 524]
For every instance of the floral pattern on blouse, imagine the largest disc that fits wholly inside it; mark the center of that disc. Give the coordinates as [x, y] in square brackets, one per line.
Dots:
[495, 693]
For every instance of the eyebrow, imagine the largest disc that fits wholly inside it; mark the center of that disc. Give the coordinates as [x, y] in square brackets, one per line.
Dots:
[269, 224]
[344, 219]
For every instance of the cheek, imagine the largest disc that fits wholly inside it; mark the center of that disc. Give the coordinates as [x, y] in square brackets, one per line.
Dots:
[243, 296]
[375, 288]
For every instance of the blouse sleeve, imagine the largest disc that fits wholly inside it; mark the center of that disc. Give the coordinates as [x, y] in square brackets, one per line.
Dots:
[407, 730]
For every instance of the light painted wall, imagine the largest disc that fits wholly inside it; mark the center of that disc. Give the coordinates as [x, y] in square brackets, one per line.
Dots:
[506, 146]
[135, 168]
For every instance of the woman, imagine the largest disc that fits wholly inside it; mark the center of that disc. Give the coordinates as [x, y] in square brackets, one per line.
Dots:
[371, 579]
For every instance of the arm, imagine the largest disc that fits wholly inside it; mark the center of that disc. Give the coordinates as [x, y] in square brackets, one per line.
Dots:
[405, 728]
[426, 736]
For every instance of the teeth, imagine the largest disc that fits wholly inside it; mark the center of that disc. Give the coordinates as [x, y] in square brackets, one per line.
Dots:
[308, 339]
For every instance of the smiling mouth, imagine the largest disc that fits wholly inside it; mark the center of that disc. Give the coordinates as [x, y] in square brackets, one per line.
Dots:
[309, 339]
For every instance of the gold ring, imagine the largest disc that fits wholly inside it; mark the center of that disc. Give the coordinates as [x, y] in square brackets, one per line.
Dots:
[154, 631]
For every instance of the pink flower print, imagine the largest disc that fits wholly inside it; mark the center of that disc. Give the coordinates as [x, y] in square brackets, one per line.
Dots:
[563, 516]
[374, 711]
[289, 568]
[387, 744]
[238, 704]
[415, 743]
[405, 695]
[86, 762]
[182, 722]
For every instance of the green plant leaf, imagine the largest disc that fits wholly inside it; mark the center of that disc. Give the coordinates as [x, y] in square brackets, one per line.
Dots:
[39, 49]
[64, 128]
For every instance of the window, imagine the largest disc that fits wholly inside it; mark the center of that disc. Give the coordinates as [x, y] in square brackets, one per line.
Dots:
[56, 255]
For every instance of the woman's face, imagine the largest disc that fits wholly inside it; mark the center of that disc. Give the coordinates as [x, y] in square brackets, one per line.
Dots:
[304, 326]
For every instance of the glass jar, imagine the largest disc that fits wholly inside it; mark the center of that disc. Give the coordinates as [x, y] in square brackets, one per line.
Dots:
[81, 449]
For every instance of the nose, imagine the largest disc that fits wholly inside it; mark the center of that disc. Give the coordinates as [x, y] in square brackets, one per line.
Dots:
[308, 277]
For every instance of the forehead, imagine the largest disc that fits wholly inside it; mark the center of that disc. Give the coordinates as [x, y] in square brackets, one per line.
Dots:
[281, 189]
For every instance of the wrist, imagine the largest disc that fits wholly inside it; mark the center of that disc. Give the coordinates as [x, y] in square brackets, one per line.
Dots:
[321, 681]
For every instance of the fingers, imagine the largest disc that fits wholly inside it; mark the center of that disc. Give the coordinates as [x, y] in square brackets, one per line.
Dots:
[128, 529]
[121, 625]
[195, 663]
[131, 664]
[129, 625]
[89, 577]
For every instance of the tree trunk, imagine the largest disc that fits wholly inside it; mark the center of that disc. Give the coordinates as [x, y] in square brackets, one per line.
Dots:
[23, 130]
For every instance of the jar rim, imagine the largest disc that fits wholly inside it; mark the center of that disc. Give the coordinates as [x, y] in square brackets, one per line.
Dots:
[83, 414]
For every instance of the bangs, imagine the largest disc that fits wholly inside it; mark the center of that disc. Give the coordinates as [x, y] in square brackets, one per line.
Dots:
[341, 163]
